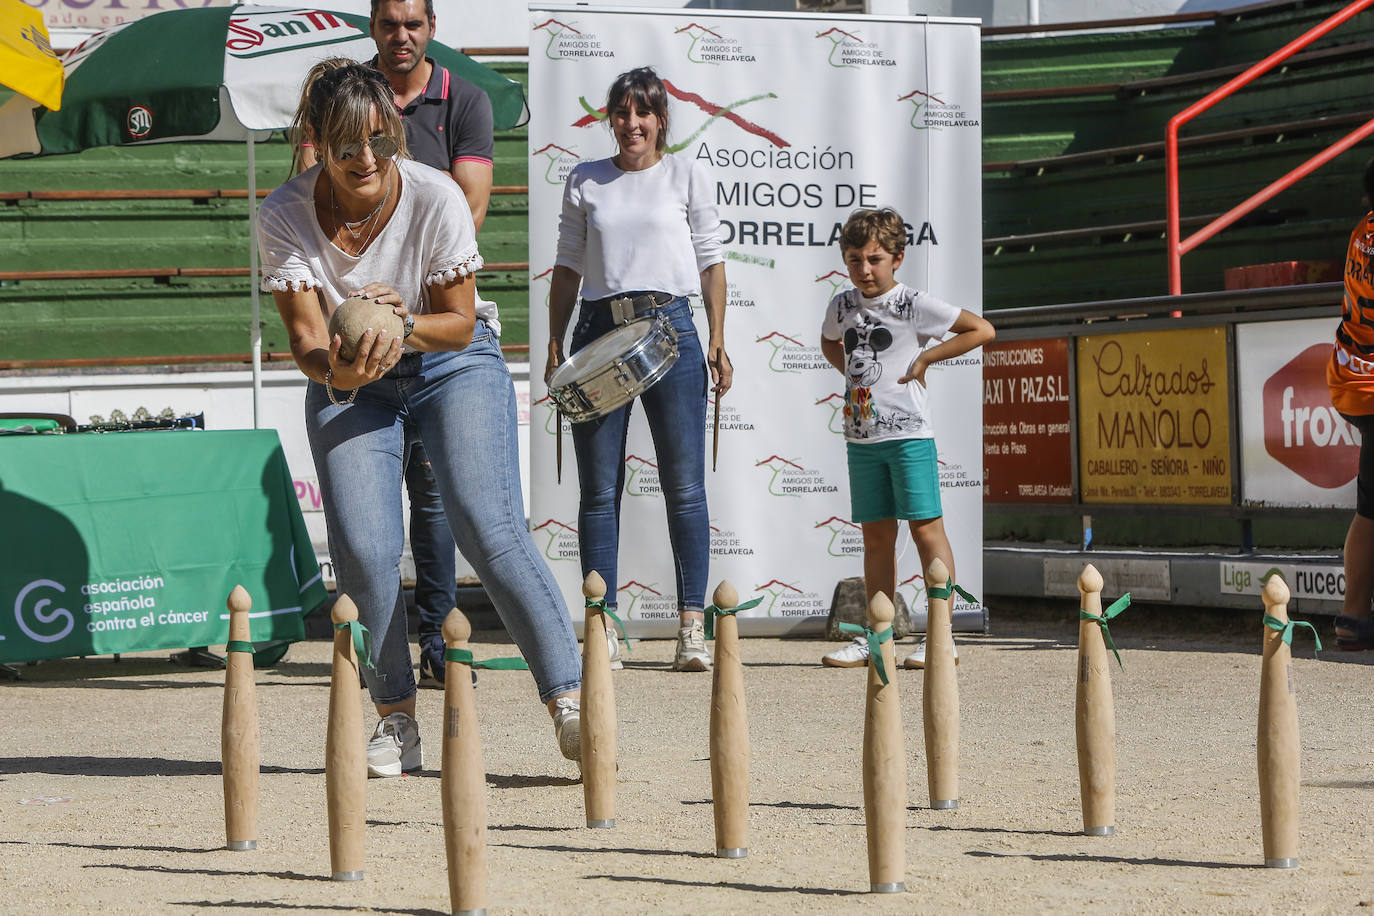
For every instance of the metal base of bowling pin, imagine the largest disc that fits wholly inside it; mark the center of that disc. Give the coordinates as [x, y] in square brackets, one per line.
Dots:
[887, 887]
[1099, 831]
[945, 804]
[481, 912]
[609, 822]
[346, 876]
[241, 845]
[1281, 863]
[736, 852]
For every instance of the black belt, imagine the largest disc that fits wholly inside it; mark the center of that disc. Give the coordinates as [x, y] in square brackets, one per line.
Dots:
[631, 305]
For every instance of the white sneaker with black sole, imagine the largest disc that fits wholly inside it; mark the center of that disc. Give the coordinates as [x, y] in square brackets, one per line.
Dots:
[395, 747]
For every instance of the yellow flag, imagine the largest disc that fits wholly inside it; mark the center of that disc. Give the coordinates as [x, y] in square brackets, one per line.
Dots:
[27, 61]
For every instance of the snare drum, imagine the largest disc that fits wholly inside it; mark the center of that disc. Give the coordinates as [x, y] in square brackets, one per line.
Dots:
[614, 369]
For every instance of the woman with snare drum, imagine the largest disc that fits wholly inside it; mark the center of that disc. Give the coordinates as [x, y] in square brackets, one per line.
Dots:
[639, 233]
[367, 220]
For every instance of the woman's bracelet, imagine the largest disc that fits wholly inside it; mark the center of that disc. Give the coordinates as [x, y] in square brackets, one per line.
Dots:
[329, 386]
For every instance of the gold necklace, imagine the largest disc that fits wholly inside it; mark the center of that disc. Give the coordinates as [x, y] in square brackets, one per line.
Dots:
[355, 227]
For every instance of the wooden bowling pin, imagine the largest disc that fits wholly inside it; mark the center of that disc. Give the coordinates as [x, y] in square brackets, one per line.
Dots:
[598, 712]
[1277, 745]
[884, 765]
[940, 695]
[1095, 719]
[463, 780]
[729, 734]
[240, 745]
[345, 760]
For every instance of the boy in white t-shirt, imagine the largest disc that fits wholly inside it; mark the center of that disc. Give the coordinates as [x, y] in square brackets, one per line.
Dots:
[879, 335]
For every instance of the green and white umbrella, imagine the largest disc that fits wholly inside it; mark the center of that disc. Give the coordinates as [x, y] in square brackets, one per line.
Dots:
[223, 73]
[208, 74]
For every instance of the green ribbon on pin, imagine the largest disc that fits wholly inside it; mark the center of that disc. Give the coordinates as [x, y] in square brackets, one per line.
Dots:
[711, 612]
[875, 641]
[601, 603]
[936, 591]
[239, 645]
[463, 656]
[1286, 629]
[1116, 608]
[362, 643]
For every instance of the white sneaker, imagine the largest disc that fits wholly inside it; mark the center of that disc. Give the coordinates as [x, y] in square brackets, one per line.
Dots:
[854, 655]
[917, 659]
[395, 747]
[567, 727]
[613, 645]
[692, 654]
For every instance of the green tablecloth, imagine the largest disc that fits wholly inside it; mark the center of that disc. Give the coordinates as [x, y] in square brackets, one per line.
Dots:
[132, 541]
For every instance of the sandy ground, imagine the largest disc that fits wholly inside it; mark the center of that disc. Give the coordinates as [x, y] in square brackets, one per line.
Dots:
[111, 799]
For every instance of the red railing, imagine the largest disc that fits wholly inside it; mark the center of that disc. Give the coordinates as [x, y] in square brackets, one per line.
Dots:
[1179, 247]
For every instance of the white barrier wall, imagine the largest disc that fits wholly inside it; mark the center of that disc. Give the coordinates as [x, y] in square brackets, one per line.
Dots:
[800, 119]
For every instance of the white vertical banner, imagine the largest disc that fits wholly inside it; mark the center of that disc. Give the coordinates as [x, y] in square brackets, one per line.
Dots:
[799, 119]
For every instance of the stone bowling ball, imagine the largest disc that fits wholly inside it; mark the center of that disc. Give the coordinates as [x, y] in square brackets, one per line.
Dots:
[352, 319]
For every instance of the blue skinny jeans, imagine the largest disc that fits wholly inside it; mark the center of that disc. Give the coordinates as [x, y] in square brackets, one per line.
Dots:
[675, 407]
[462, 405]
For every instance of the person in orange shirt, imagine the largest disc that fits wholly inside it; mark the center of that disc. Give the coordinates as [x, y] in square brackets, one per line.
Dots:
[1350, 376]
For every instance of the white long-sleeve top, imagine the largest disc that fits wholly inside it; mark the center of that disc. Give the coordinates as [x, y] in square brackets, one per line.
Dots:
[653, 229]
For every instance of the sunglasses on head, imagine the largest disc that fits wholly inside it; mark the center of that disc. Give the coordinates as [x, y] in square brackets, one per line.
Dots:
[383, 147]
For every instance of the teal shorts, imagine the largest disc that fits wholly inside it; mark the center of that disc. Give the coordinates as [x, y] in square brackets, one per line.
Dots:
[895, 479]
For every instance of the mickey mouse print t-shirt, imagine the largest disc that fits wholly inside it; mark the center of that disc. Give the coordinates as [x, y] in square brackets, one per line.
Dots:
[882, 337]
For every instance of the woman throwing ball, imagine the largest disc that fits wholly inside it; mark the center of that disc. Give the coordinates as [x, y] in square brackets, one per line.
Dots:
[367, 220]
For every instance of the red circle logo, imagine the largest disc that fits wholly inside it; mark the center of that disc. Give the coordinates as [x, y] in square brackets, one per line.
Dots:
[139, 122]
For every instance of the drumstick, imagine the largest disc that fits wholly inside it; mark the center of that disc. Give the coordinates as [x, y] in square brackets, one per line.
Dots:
[715, 436]
[558, 416]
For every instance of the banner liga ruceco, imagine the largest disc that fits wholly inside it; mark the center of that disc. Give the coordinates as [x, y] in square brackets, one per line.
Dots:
[799, 119]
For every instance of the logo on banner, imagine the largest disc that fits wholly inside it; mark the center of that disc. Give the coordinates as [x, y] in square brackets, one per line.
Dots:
[256, 34]
[567, 42]
[931, 112]
[725, 542]
[545, 279]
[837, 280]
[735, 299]
[706, 45]
[953, 475]
[835, 404]
[641, 477]
[37, 618]
[789, 355]
[38, 40]
[788, 478]
[650, 603]
[558, 162]
[559, 539]
[1302, 431]
[846, 538]
[915, 594]
[849, 51]
[138, 122]
[550, 408]
[786, 600]
[730, 416]
[714, 112]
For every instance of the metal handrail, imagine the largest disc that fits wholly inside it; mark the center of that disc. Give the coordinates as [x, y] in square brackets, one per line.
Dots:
[1177, 247]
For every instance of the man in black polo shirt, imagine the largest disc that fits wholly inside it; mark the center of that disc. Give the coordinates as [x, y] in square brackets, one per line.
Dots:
[448, 126]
